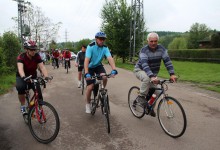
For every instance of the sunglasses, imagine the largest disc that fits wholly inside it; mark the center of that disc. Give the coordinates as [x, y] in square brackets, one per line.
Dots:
[32, 50]
[101, 39]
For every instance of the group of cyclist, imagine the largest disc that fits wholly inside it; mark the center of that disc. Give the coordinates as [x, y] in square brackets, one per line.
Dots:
[61, 56]
[90, 59]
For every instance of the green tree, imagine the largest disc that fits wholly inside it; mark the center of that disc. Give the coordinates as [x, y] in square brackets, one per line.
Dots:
[215, 39]
[11, 48]
[53, 45]
[197, 32]
[178, 43]
[116, 18]
[79, 44]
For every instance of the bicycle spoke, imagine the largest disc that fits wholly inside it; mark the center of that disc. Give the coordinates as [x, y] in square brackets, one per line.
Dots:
[136, 108]
[46, 130]
[172, 117]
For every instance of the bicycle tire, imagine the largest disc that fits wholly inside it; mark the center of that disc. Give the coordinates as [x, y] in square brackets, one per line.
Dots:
[136, 108]
[44, 135]
[94, 103]
[173, 125]
[67, 67]
[106, 113]
[82, 83]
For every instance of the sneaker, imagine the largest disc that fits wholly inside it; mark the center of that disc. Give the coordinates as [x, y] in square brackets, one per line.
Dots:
[88, 109]
[23, 110]
[141, 100]
[152, 113]
[79, 84]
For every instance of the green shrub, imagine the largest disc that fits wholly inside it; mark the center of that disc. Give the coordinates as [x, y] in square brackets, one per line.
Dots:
[201, 55]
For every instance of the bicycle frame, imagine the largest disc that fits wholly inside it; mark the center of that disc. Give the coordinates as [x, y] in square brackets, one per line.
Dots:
[34, 98]
[162, 92]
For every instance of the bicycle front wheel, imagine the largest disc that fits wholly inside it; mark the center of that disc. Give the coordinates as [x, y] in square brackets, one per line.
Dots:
[136, 108]
[172, 117]
[94, 102]
[106, 113]
[46, 128]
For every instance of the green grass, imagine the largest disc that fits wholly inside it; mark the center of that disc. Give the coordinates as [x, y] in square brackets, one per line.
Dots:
[6, 83]
[205, 75]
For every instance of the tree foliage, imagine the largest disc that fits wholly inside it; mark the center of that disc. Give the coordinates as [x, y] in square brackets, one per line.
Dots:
[197, 32]
[116, 18]
[78, 45]
[9, 50]
[178, 43]
[215, 39]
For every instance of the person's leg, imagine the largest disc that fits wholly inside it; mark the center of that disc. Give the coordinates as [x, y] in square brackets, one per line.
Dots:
[101, 71]
[21, 87]
[79, 76]
[69, 63]
[89, 88]
[145, 81]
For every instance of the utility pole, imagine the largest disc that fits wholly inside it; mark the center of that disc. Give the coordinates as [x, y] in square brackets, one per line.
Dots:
[136, 26]
[21, 11]
[66, 37]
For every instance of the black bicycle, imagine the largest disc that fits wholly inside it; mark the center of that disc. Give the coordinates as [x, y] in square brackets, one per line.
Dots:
[67, 64]
[83, 80]
[100, 98]
[53, 63]
[42, 118]
[171, 114]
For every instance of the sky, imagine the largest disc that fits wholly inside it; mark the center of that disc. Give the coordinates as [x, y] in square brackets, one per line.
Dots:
[81, 18]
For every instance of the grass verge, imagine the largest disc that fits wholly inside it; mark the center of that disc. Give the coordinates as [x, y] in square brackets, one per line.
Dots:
[6, 83]
[204, 75]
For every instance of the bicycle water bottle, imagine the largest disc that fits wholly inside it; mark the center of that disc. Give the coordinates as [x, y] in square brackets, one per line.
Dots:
[152, 99]
[32, 103]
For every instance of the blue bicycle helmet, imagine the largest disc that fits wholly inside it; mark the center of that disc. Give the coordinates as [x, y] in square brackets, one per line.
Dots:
[100, 35]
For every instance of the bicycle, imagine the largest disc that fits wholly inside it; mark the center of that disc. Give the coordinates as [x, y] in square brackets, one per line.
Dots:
[67, 64]
[41, 116]
[100, 95]
[83, 80]
[171, 115]
[53, 63]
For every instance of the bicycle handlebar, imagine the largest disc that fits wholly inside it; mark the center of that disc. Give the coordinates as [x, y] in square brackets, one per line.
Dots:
[99, 77]
[162, 81]
[38, 78]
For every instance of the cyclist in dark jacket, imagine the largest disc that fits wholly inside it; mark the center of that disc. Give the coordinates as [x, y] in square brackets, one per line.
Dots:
[80, 63]
[27, 64]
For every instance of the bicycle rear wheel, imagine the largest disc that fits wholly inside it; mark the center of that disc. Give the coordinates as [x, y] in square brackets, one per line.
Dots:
[106, 113]
[136, 108]
[82, 82]
[172, 117]
[46, 129]
[67, 67]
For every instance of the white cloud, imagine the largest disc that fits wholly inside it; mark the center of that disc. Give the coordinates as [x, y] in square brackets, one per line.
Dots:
[81, 18]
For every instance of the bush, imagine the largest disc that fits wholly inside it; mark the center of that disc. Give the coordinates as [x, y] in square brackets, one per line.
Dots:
[201, 55]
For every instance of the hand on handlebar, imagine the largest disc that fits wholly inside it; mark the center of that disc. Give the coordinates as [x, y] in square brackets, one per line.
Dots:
[48, 79]
[87, 76]
[173, 78]
[154, 80]
[113, 73]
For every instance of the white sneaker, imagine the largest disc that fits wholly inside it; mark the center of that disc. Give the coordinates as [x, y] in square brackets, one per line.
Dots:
[79, 84]
[88, 109]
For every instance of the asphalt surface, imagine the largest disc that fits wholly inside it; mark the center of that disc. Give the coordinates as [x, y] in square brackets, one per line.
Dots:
[81, 131]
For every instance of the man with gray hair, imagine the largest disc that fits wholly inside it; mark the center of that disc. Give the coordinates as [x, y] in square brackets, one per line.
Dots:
[148, 66]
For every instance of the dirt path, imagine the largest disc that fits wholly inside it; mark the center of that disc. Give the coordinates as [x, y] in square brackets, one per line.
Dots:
[80, 131]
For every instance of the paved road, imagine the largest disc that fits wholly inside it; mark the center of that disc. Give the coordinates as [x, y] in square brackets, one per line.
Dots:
[81, 131]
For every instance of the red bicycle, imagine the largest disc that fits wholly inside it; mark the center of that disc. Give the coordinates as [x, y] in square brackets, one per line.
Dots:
[42, 118]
